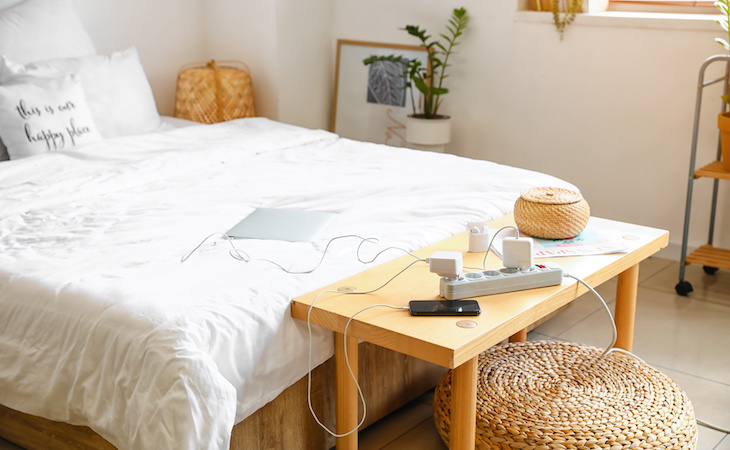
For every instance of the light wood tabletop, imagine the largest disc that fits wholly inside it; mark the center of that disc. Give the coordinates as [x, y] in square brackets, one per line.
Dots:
[440, 339]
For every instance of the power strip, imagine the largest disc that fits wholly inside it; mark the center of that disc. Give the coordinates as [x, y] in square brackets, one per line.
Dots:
[488, 282]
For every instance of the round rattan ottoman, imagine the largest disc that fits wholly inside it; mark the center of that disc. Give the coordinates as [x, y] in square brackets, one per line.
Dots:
[546, 395]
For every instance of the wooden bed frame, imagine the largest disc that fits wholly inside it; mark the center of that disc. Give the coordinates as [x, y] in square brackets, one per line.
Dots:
[284, 423]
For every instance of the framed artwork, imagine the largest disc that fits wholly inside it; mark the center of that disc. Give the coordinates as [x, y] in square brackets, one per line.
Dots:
[371, 102]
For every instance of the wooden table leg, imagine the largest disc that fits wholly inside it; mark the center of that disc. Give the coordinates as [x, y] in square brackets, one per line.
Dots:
[628, 285]
[347, 396]
[464, 405]
[520, 336]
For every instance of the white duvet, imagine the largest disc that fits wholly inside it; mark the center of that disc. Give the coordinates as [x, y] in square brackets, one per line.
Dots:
[101, 324]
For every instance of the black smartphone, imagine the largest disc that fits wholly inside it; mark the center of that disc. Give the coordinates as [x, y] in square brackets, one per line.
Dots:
[444, 308]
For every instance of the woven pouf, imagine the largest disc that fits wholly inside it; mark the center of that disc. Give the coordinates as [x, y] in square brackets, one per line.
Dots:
[546, 395]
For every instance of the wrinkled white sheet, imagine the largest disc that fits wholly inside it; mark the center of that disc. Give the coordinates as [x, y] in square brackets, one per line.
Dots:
[101, 324]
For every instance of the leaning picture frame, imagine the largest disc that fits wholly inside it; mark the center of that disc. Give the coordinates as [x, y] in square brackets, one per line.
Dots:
[370, 102]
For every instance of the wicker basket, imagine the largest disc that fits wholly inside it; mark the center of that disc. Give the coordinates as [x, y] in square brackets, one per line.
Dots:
[545, 395]
[211, 93]
[551, 213]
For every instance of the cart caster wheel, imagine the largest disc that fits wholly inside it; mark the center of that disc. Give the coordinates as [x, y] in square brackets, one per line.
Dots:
[710, 270]
[683, 288]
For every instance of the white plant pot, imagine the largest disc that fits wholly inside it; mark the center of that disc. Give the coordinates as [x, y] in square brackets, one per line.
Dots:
[595, 6]
[428, 131]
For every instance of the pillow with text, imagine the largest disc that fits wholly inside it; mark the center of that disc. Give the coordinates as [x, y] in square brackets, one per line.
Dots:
[117, 90]
[46, 116]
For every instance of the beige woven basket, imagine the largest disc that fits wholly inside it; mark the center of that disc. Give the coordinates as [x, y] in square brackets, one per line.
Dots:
[211, 93]
[545, 395]
[551, 213]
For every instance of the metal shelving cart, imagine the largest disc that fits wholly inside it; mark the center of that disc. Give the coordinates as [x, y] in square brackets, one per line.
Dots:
[711, 258]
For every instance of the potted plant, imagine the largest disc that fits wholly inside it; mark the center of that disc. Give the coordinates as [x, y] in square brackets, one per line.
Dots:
[426, 126]
[723, 119]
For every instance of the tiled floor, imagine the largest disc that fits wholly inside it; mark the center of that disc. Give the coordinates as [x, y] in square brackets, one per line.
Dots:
[687, 338]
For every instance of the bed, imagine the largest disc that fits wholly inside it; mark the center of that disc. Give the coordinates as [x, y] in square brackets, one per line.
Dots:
[109, 339]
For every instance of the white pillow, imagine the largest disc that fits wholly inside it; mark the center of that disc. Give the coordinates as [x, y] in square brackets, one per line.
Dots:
[116, 88]
[43, 29]
[45, 116]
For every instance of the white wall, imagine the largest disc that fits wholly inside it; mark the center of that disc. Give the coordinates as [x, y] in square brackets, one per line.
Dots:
[608, 108]
[285, 43]
[245, 30]
[166, 33]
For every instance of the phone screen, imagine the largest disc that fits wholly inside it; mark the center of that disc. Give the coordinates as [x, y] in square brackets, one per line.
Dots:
[444, 308]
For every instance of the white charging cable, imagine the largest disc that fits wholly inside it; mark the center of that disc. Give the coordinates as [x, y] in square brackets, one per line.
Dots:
[344, 336]
[611, 348]
[614, 333]
[489, 247]
[347, 363]
[240, 255]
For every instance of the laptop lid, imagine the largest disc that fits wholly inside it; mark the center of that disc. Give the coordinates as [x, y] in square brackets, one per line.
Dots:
[281, 224]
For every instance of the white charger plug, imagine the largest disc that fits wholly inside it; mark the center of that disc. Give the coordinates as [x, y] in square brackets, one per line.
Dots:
[517, 253]
[446, 264]
[479, 239]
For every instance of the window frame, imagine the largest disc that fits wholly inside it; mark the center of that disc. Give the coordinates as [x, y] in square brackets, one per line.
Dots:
[671, 6]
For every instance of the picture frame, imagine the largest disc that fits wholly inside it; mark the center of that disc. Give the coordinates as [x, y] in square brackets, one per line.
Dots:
[370, 102]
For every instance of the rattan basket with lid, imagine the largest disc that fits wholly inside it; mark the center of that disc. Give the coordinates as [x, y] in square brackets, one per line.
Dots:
[211, 93]
[551, 213]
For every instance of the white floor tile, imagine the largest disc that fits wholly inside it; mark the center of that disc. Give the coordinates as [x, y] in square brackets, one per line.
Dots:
[384, 432]
[423, 437]
[711, 400]
[579, 309]
[678, 333]
[713, 288]
[708, 439]
[724, 444]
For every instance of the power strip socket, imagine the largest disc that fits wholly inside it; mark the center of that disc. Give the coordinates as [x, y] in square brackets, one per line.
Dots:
[488, 282]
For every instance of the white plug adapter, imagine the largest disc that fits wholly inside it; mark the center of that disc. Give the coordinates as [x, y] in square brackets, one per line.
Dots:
[517, 253]
[479, 239]
[446, 264]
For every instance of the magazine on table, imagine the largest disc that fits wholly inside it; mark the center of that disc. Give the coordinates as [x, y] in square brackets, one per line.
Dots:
[589, 242]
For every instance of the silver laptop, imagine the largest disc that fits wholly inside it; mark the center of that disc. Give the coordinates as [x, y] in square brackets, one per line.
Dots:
[281, 224]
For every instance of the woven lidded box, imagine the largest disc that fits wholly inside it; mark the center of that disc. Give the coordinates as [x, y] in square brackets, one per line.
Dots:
[551, 213]
[211, 93]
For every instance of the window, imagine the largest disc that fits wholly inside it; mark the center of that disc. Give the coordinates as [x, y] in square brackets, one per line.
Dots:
[683, 6]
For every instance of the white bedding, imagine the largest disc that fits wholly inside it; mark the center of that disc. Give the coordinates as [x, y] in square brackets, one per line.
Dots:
[101, 323]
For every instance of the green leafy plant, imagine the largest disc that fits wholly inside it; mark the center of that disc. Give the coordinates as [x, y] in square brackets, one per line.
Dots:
[724, 7]
[429, 79]
[562, 21]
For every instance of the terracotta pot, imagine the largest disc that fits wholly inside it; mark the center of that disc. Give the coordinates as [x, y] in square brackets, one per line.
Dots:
[434, 131]
[541, 5]
[723, 123]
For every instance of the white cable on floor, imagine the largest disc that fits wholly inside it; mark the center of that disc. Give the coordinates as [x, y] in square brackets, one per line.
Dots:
[612, 349]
